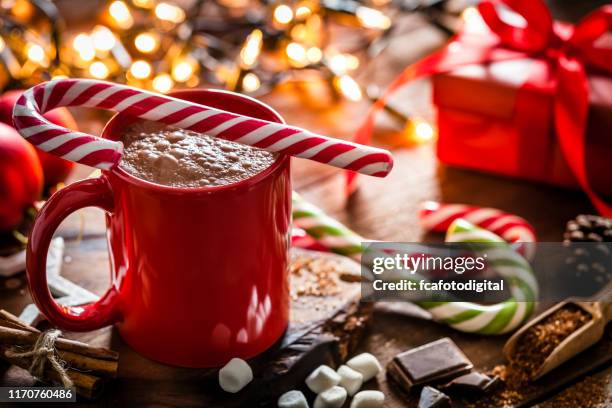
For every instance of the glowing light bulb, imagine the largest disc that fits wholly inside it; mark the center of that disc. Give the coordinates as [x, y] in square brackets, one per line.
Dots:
[103, 39]
[148, 4]
[36, 53]
[141, 69]
[98, 70]
[163, 83]
[348, 87]
[352, 62]
[21, 8]
[182, 71]
[59, 75]
[297, 54]
[314, 55]
[338, 64]
[83, 44]
[251, 82]
[299, 32]
[2, 44]
[170, 12]
[423, 131]
[251, 49]
[81, 41]
[120, 12]
[372, 18]
[341, 63]
[146, 42]
[283, 14]
[302, 12]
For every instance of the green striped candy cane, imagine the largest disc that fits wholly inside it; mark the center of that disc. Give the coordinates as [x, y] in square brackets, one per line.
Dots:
[499, 318]
[328, 232]
[464, 316]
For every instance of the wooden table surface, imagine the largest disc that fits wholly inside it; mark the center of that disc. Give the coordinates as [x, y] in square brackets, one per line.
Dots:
[384, 209]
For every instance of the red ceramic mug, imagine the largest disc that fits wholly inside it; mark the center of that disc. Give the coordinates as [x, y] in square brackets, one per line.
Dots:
[198, 275]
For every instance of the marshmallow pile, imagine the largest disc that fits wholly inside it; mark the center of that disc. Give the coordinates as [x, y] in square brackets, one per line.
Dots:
[334, 386]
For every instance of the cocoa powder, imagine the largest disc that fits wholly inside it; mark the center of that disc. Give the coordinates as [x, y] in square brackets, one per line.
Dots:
[536, 344]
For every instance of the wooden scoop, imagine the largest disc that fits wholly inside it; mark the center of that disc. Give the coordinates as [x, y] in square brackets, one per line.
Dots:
[578, 341]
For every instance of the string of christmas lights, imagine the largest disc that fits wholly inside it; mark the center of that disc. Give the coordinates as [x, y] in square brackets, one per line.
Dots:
[249, 46]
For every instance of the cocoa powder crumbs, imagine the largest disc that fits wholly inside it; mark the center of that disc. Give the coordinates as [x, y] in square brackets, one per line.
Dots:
[592, 392]
[319, 277]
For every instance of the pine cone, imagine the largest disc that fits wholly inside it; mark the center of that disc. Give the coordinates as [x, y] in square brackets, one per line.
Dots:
[591, 262]
[588, 228]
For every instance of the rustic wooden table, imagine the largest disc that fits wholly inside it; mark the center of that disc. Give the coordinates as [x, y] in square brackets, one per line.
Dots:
[384, 209]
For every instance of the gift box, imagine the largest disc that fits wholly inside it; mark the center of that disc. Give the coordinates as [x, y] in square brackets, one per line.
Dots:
[499, 118]
[522, 95]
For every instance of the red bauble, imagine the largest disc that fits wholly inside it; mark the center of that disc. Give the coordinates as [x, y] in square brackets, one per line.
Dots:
[21, 177]
[55, 169]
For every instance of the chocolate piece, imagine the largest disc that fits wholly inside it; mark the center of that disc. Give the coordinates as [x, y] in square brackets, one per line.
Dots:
[431, 363]
[471, 384]
[432, 398]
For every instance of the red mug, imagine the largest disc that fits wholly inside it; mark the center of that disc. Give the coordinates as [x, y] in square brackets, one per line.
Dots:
[198, 275]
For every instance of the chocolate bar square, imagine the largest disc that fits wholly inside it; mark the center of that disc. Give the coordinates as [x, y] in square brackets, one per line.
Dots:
[431, 363]
[473, 383]
[432, 398]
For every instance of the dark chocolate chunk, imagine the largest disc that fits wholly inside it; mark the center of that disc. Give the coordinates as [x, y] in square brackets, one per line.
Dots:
[432, 398]
[495, 382]
[471, 384]
[431, 363]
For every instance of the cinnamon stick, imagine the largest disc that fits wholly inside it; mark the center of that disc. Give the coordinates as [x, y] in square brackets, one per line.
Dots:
[13, 321]
[19, 337]
[102, 367]
[86, 385]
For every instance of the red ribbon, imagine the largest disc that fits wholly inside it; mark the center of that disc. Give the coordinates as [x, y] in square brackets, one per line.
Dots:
[569, 48]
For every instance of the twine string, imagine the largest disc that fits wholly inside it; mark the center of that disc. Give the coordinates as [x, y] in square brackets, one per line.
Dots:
[43, 351]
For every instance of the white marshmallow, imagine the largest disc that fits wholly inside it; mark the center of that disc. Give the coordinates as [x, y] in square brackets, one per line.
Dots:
[292, 399]
[322, 378]
[235, 375]
[366, 364]
[331, 398]
[368, 399]
[350, 379]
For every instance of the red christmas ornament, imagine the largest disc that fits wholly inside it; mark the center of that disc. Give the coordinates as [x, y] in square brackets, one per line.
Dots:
[21, 177]
[54, 168]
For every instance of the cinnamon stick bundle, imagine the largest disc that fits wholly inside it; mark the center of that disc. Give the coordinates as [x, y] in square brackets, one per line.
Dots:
[87, 366]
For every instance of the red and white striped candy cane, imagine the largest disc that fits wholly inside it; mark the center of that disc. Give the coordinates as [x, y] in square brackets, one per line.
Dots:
[103, 154]
[435, 216]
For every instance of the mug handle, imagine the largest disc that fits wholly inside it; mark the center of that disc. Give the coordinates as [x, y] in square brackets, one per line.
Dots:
[86, 193]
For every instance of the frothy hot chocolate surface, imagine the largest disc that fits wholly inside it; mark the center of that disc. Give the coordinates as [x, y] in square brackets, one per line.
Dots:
[182, 158]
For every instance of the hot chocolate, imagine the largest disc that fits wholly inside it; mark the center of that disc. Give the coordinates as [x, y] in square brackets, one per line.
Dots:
[182, 158]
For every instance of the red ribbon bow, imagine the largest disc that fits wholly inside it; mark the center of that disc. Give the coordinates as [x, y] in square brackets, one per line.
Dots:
[571, 48]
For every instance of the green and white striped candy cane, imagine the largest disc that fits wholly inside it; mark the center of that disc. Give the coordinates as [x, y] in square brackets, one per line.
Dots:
[464, 316]
[490, 319]
[327, 231]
